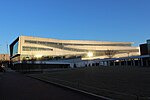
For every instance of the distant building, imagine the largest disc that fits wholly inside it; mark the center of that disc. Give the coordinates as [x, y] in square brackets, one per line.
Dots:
[4, 57]
[26, 47]
[148, 44]
[145, 48]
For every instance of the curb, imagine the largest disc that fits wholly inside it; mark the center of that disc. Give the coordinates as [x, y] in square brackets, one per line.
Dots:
[71, 88]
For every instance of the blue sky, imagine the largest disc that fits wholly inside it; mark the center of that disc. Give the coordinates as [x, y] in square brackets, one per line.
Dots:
[103, 20]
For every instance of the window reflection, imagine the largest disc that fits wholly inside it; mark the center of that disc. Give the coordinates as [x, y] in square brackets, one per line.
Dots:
[15, 49]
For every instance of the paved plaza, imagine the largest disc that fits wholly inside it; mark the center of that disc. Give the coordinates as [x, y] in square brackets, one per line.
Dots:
[16, 86]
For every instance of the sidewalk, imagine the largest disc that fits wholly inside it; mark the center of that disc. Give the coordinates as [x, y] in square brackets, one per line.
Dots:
[16, 86]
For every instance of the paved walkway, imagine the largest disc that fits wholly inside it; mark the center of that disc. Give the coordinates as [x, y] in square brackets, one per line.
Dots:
[16, 86]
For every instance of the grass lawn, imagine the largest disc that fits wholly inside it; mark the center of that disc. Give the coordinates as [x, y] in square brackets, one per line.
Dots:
[127, 80]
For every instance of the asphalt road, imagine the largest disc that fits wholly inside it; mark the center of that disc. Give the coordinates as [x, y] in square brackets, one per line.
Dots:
[16, 86]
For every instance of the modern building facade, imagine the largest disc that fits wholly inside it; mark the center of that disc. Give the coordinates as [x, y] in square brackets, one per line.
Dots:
[148, 44]
[145, 48]
[26, 47]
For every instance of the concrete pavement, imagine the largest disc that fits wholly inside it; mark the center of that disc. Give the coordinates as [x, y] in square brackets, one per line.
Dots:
[16, 86]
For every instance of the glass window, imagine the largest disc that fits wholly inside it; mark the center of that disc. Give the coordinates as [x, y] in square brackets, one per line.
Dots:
[27, 48]
[148, 41]
[148, 44]
[60, 44]
[15, 49]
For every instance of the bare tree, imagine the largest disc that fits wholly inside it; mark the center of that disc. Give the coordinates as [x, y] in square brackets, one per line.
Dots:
[24, 60]
[110, 53]
[33, 59]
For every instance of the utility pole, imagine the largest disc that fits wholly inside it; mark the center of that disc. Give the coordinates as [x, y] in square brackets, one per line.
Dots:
[7, 48]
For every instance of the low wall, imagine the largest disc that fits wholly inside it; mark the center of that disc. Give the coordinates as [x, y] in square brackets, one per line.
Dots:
[25, 66]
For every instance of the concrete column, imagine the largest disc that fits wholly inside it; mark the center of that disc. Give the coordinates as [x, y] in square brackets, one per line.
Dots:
[141, 62]
[114, 63]
[130, 62]
[138, 61]
[149, 61]
[123, 62]
[146, 62]
[133, 62]
[119, 62]
[108, 63]
[126, 63]
[103, 63]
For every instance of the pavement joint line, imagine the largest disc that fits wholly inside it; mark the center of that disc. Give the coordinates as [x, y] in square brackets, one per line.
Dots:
[75, 89]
